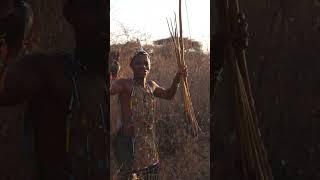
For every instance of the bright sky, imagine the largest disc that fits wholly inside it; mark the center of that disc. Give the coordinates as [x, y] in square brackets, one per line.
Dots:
[149, 17]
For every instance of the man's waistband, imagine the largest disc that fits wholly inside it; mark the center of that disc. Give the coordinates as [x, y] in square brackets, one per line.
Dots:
[152, 169]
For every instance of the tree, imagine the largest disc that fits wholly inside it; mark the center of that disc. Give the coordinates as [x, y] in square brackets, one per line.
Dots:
[189, 43]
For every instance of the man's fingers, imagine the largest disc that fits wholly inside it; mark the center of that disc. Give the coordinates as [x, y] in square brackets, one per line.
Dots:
[183, 72]
[184, 69]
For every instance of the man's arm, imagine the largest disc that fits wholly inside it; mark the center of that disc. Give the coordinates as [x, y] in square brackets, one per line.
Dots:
[168, 94]
[20, 81]
[117, 86]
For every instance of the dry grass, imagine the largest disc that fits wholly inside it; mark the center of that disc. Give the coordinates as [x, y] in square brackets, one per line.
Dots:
[181, 155]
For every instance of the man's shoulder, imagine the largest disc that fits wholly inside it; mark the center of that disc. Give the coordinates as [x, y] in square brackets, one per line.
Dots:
[124, 81]
[46, 62]
[33, 57]
[42, 58]
[30, 61]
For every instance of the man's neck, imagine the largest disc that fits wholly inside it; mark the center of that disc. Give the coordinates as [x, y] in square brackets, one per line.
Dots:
[140, 81]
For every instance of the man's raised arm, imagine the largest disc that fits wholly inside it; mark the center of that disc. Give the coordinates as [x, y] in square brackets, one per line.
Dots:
[117, 86]
[169, 93]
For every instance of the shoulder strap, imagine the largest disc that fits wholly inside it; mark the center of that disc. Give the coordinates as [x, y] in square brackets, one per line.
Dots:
[150, 89]
[72, 69]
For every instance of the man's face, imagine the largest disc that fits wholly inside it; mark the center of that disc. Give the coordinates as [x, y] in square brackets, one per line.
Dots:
[141, 66]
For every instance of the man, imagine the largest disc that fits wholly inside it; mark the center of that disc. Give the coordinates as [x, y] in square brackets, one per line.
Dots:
[135, 142]
[15, 24]
[114, 68]
[64, 94]
[114, 108]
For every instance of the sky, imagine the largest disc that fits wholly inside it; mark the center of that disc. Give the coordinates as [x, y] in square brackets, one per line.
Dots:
[149, 17]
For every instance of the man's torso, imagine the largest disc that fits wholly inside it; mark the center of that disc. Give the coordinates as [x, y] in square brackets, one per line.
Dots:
[48, 111]
[137, 107]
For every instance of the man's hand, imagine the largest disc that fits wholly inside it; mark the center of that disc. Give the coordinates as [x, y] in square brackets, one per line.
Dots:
[111, 78]
[181, 73]
[241, 35]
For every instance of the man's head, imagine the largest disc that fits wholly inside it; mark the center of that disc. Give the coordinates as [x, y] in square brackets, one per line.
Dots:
[114, 69]
[114, 64]
[6, 8]
[15, 25]
[140, 64]
[87, 15]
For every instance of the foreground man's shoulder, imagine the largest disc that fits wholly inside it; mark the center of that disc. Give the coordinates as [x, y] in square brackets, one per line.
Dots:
[47, 62]
[39, 58]
[31, 61]
[32, 58]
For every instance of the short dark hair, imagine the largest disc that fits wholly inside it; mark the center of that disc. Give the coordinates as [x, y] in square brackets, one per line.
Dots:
[97, 7]
[139, 52]
[17, 25]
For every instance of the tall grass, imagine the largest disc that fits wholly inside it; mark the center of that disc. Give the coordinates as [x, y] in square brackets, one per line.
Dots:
[181, 155]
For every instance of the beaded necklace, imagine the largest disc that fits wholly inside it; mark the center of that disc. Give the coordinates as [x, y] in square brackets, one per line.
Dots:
[142, 105]
[143, 118]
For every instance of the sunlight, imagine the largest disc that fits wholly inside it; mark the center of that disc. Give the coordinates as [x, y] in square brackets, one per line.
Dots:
[148, 18]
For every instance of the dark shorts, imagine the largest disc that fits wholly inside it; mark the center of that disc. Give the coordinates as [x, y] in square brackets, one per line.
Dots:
[123, 150]
[148, 173]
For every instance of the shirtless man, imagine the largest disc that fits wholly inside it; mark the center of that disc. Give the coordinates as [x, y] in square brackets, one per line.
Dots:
[114, 67]
[51, 84]
[135, 142]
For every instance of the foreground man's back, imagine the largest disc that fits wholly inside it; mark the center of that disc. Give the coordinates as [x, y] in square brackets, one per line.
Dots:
[29, 80]
[46, 84]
